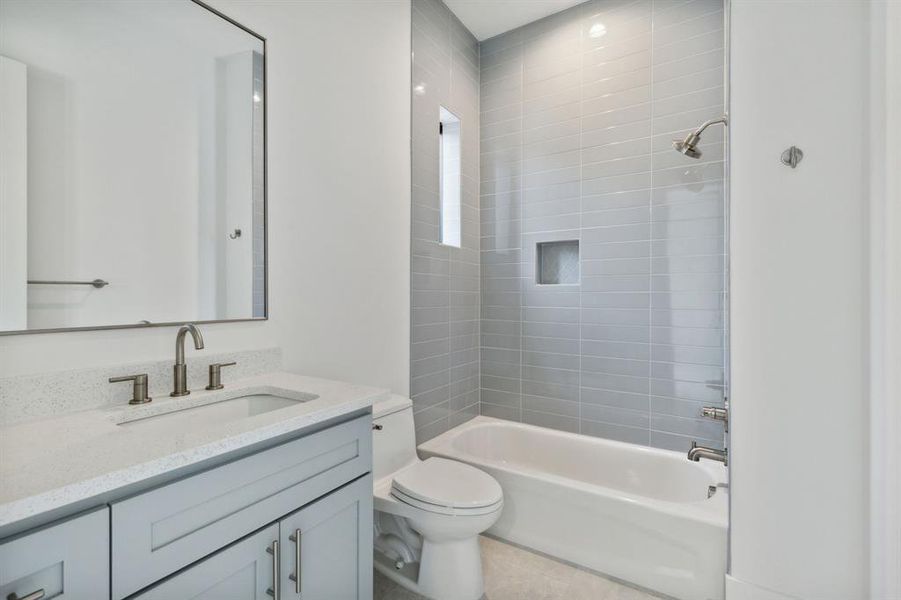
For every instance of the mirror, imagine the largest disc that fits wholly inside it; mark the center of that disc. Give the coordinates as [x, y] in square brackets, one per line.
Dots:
[132, 162]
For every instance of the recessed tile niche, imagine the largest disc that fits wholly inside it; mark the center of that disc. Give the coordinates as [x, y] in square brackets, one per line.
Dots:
[557, 262]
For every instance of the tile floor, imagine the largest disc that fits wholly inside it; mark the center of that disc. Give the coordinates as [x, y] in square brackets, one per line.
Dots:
[512, 573]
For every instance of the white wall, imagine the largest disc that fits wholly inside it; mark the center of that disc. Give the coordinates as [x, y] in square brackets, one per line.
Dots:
[339, 204]
[799, 301]
[885, 301]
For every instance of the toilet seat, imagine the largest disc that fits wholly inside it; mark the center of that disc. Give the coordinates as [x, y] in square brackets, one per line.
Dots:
[445, 486]
[445, 510]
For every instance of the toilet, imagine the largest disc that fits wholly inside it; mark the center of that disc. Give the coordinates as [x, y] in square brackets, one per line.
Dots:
[428, 513]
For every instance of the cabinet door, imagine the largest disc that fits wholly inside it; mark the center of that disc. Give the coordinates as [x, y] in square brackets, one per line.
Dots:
[67, 560]
[331, 541]
[242, 571]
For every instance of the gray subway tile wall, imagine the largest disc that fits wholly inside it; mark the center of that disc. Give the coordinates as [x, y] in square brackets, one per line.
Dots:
[577, 114]
[445, 280]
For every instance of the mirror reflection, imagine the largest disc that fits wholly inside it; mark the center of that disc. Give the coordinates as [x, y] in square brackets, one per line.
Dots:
[132, 155]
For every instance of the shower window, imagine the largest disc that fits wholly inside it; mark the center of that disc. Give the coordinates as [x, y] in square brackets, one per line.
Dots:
[449, 177]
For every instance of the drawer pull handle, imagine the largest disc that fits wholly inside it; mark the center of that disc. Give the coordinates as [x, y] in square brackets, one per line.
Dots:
[276, 575]
[37, 595]
[295, 577]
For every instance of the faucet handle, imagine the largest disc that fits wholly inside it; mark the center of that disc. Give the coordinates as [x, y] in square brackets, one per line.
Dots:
[216, 375]
[139, 389]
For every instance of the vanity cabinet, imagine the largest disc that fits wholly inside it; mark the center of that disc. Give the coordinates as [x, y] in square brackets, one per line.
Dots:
[66, 560]
[288, 521]
[320, 552]
[158, 532]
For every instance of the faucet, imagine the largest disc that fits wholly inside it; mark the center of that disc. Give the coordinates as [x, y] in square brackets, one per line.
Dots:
[698, 452]
[180, 370]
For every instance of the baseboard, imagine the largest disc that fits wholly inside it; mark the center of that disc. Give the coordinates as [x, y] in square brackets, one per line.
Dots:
[736, 589]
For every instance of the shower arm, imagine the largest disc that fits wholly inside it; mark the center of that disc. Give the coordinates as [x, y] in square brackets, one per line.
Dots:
[697, 132]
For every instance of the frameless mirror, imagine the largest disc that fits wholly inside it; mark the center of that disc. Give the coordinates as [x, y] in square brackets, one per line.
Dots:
[132, 162]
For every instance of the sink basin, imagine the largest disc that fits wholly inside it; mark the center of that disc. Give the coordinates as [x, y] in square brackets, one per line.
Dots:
[223, 411]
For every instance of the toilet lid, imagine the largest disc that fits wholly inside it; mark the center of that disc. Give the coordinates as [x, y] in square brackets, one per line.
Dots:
[448, 483]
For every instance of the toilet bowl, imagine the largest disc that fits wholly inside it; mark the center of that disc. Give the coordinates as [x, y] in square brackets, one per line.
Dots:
[428, 514]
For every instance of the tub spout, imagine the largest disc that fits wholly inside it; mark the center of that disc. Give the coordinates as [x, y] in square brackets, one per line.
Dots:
[698, 452]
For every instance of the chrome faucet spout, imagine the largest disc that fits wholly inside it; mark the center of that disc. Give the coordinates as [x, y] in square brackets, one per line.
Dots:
[180, 370]
[180, 341]
[698, 452]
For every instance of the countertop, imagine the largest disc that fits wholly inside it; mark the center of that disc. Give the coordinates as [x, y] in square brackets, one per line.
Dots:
[49, 464]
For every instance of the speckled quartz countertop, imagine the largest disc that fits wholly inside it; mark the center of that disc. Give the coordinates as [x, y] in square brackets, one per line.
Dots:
[49, 464]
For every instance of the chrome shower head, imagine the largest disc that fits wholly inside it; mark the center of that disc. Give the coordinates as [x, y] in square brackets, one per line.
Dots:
[689, 146]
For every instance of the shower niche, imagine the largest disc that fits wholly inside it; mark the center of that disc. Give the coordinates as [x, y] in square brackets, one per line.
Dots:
[557, 263]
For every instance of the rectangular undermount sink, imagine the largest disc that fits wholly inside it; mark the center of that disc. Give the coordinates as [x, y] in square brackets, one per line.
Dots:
[213, 413]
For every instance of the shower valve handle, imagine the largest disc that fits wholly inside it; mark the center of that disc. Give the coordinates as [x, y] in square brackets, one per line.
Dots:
[715, 413]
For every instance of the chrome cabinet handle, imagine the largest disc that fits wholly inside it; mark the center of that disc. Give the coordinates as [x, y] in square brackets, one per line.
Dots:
[36, 595]
[276, 570]
[295, 577]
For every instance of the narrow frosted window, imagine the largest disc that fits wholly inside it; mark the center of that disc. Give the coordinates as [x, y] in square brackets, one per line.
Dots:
[449, 177]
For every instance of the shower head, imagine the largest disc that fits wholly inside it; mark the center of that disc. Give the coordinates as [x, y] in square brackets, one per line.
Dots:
[689, 146]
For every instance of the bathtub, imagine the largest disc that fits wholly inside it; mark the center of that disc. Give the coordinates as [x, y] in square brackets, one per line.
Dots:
[638, 514]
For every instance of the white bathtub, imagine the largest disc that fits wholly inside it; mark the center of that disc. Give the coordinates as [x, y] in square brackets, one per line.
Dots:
[638, 514]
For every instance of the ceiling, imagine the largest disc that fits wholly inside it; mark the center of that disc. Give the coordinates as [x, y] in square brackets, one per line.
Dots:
[488, 18]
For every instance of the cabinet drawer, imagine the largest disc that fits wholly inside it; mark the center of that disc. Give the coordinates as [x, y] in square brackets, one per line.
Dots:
[243, 571]
[158, 532]
[66, 560]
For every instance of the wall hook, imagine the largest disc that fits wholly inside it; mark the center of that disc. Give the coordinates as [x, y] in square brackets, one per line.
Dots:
[235, 235]
[792, 157]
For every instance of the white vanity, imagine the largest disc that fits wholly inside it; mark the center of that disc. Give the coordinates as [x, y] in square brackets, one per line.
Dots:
[260, 490]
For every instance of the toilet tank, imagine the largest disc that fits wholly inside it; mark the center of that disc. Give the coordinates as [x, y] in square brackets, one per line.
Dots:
[393, 436]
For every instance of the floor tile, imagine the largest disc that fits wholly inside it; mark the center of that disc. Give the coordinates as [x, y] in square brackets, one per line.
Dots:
[513, 573]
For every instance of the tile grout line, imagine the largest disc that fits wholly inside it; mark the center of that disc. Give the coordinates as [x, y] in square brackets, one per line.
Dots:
[581, 198]
[522, 283]
[450, 250]
[651, 219]
[479, 226]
